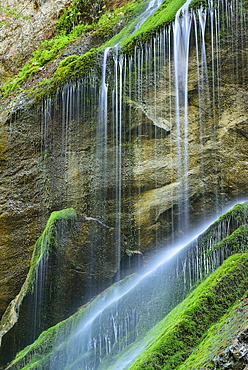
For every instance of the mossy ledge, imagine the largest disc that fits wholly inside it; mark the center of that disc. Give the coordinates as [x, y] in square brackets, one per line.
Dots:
[223, 341]
[184, 327]
[41, 251]
[74, 66]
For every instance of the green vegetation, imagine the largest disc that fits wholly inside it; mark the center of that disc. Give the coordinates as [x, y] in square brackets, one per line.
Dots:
[108, 27]
[184, 327]
[45, 242]
[236, 220]
[70, 67]
[104, 25]
[219, 337]
[75, 23]
[163, 16]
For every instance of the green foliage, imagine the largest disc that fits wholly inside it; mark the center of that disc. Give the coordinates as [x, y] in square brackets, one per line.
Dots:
[71, 27]
[184, 327]
[84, 12]
[164, 15]
[82, 17]
[45, 242]
[218, 337]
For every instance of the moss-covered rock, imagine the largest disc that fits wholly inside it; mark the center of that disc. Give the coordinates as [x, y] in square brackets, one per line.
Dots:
[73, 260]
[184, 328]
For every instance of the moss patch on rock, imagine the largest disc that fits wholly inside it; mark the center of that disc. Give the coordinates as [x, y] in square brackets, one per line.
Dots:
[42, 249]
[223, 341]
[184, 327]
[44, 243]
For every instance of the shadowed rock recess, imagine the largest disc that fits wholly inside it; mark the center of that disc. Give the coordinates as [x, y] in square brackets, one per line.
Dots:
[120, 136]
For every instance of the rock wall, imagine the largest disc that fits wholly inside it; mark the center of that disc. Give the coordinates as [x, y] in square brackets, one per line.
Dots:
[24, 25]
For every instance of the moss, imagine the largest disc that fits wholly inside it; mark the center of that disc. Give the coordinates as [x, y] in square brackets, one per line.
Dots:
[69, 68]
[163, 16]
[218, 337]
[184, 327]
[44, 243]
[108, 24]
[239, 212]
[236, 242]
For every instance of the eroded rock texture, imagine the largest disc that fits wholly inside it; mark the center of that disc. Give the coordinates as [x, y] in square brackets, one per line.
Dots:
[25, 24]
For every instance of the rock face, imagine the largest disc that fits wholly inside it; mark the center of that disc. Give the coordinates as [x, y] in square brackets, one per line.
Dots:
[236, 355]
[25, 24]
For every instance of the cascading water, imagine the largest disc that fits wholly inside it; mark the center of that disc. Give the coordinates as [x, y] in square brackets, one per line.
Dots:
[146, 97]
[117, 104]
[153, 5]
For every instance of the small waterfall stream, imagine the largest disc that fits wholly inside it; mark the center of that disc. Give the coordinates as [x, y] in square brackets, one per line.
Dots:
[182, 28]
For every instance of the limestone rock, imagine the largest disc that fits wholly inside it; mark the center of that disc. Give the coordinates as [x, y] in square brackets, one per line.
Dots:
[25, 24]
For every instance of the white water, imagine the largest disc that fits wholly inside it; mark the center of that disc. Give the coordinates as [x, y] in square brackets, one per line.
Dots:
[182, 29]
[153, 5]
[102, 132]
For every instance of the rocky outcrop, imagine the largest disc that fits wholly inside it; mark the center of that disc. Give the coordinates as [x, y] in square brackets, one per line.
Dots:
[73, 260]
[24, 25]
[234, 356]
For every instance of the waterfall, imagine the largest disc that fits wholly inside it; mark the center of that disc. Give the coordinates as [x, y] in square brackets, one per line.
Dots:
[141, 99]
[145, 191]
[152, 6]
[138, 99]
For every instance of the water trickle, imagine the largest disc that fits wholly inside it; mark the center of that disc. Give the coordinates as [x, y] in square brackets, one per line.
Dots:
[152, 6]
[182, 28]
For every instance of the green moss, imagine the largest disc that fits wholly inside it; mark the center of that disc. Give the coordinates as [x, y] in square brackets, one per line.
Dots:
[236, 242]
[43, 245]
[218, 337]
[184, 327]
[74, 23]
[239, 212]
[163, 16]
[70, 68]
